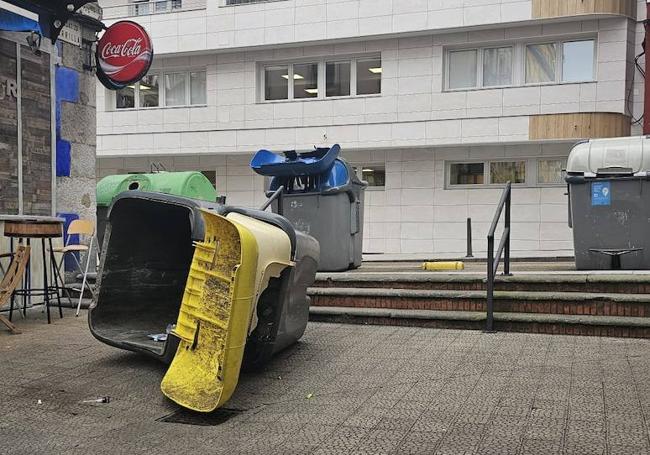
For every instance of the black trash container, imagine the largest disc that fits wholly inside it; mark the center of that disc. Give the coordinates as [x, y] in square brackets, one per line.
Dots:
[609, 203]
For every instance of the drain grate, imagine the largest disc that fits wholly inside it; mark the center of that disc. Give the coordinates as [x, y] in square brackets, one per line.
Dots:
[187, 417]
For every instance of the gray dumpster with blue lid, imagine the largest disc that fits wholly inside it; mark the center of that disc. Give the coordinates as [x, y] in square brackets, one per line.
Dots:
[322, 197]
[609, 203]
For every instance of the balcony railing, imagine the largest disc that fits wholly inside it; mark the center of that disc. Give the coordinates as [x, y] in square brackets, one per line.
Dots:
[149, 7]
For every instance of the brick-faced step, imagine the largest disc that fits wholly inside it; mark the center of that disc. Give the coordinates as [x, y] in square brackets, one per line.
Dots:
[615, 326]
[559, 303]
[627, 283]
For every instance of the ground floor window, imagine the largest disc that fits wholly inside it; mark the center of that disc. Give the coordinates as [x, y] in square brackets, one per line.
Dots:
[373, 174]
[526, 172]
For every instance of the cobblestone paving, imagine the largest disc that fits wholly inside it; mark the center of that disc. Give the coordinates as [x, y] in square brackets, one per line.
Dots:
[342, 389]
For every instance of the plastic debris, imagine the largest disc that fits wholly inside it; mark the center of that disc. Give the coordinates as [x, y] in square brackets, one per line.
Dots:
[98, 400]
[310, 395]
[158, 337]
[39, 402]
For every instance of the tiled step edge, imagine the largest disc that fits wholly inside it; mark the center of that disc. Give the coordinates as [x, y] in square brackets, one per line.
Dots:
[453, 294]
[473, 316]
[423, 277]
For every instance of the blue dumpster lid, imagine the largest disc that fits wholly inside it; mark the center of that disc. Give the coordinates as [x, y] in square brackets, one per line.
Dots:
[294, 164]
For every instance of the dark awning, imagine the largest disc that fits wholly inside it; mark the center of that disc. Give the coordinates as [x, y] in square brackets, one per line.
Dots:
[13, 22]
[52, 14]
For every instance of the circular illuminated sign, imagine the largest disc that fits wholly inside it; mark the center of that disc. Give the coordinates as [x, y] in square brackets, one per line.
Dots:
[124, 54]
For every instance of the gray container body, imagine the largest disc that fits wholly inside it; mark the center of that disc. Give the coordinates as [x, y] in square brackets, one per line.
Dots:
[618, 224]
[334, 219]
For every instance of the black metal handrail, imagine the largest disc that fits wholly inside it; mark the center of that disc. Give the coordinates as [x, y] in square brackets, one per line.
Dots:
[504, 248]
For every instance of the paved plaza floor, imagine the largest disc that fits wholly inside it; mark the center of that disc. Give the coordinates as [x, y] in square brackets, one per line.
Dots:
[342, 389]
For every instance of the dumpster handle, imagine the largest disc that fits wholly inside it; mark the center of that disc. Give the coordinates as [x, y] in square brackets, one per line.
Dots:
[276, 195]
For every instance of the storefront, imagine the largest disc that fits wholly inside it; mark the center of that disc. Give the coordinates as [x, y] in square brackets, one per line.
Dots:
[47, 120]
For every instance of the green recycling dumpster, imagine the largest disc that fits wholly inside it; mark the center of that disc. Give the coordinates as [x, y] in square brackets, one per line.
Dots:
[609, 203]
[191, 184]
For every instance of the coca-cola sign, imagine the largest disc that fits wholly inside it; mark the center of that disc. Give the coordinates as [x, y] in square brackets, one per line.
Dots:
[124, 54]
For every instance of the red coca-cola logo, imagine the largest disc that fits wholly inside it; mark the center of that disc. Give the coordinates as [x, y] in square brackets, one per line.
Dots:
[124, 53]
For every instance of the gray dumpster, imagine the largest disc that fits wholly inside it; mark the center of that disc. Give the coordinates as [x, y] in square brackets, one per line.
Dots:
[609, 203]
[324, 201]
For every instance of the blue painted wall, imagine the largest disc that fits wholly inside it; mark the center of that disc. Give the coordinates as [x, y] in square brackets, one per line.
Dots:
[67, 89]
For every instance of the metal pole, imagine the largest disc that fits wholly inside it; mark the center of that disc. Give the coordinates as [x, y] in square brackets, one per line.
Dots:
[646, 99]
[506, 249]
[469, 238]
[489, 323]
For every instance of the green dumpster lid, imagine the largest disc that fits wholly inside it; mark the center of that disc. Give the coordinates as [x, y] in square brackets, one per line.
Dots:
[190, 184]
[112, 185]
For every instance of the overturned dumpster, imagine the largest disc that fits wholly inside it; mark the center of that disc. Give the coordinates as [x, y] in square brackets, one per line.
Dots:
[321, 196]
[230, 283]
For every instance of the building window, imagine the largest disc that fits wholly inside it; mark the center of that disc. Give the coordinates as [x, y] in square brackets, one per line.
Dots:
[212, 176]
[149, 91]
[578, 61]
[242, 2]
[276, 83]
[175, 89]
[520, 63]
[540, 63]
[466, 173]
[125, 97]
[551, 171]
[337, 79]
[179, 89]
[305, 80]
[497, 66]
[374, 175]
[197, 87]
[507, 171]
[462, 69]
[523, 172]
[146, 7]
[321, 79]
[369, 76]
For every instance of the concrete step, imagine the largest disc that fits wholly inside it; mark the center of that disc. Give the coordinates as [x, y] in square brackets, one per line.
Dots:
[615, 326]
[590, 282]
[555, 303]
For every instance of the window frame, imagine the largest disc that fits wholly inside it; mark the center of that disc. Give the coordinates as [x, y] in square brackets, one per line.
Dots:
[162, 97]
[322, 74]
[479, 61]
[531, 171]
[480, 76]
[519, 62]
[594, 66]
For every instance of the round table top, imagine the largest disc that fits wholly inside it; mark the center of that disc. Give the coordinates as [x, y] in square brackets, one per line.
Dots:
[32, 219]
[32, 226]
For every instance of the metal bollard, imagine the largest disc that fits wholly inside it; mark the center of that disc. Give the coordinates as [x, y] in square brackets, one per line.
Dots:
[469, 238]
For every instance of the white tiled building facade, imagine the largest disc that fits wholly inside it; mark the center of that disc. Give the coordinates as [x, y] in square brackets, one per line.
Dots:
[436, 101]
